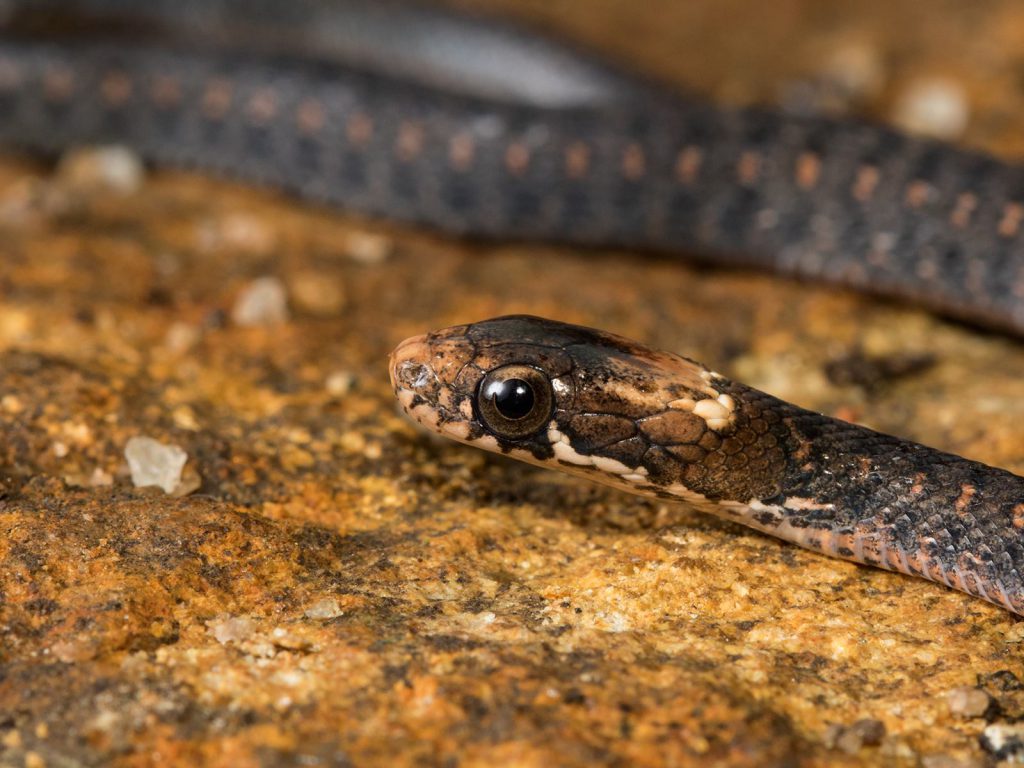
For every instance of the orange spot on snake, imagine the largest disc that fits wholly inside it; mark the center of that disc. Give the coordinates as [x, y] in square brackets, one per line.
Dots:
[262, 106]
[116, 88]
[865, 183]
[1013, 214]
[963, 209]
[58, 84]
[633, 162]
[964, 500]
[217, 97]
[577, 160]
[917, 194]
[808, 170]
[410, 140]
[461, 151]
[165, 91]
[310, 116]
[749, 168]
[688, 164]
[517, 158]
[359, 129]
[1018, 516]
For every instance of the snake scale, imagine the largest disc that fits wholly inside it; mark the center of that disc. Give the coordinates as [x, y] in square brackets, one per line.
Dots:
[478, 129]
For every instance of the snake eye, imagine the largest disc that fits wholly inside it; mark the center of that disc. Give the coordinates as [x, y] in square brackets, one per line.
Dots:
[514, 401]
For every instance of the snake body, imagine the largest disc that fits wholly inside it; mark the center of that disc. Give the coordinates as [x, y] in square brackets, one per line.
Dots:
[399, 113]
[477, 129]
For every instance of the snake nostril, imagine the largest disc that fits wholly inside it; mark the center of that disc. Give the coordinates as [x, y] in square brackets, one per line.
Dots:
[420, 376]
[408, 354]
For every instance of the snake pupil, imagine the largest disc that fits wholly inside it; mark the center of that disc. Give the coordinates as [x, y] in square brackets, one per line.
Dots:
[513, 398]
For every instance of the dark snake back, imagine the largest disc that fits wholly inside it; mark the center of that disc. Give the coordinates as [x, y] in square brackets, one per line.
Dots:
[842, 202]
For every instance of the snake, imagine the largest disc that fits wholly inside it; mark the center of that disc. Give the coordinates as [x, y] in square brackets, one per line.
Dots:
[482, 129]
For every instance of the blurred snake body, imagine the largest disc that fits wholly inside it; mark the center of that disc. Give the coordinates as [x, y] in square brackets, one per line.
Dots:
[479, 129]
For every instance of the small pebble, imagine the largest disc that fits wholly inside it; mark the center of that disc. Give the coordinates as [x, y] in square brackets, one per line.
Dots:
[852, 738]
[319, 294]
[895, 751]
[262, 302]
[1004, 740]
[11, 739]
[100, 479]
[968, 702]
[282, 638]
[368, 248]
[1015, 634]
[181, 337]
[851, 72]
[247, 232]
[113, 168]
[856, 67]
[154, 463]
[339, 383]
[933, 107]
[11, 404]
[231, 629]
[68, 652]
[327, 608]
[185, 418]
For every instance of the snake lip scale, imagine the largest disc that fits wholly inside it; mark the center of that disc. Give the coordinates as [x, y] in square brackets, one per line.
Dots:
[653, 423]
[474, 128]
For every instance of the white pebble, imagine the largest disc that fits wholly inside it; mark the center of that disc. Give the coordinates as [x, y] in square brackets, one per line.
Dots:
[154, 463]
[932, 107]
[368, 248]
[228, 629]
[1004, 740]
[262, 302]
[317, 293]
[856, 68]
[339, 383]
[100, 478]
[968, 702]
[327, 608]
[181, 337]
[112, 167]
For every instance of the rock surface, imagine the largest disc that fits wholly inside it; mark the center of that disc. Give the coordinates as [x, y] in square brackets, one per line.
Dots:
[342, 590]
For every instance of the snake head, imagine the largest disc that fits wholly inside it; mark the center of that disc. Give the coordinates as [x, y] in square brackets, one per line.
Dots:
[554, 394]
[496, 384]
